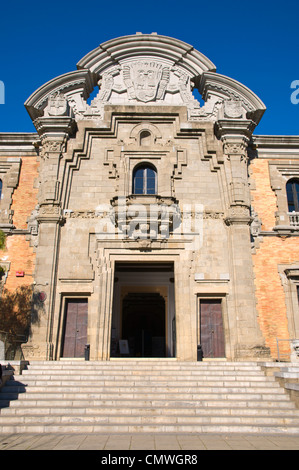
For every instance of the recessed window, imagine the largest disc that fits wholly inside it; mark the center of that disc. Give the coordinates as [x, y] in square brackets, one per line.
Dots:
[293, 195]
[145, 138]
[145, 179]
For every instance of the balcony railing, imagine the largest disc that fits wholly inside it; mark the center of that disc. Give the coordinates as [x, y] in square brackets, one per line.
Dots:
[294, 219]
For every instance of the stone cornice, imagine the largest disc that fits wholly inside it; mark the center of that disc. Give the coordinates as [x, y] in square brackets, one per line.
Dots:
[18, 144]
[76, 82]
[55, 125]
[274, 141]
[118, 50]
[275, 146]
[234, 128]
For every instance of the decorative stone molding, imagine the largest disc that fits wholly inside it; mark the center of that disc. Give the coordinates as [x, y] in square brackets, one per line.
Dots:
[54, 132]
[280, 172]
[9, 174]
[5, 265]
[256, 225]
[145, 69]
[239, 101]
[145, 216]
[238, 215]
[50, 213]
[235, 135]
[289, 275]
[295, 350]
[74, 87]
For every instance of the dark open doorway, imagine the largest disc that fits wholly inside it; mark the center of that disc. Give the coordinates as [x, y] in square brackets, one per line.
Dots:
[143, 310]
[143, 324]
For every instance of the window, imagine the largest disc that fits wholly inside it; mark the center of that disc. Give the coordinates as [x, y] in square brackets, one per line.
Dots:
[293, 195]
[0, 190]
[145, 179]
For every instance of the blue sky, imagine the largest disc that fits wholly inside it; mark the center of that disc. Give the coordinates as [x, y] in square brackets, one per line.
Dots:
[256, 43]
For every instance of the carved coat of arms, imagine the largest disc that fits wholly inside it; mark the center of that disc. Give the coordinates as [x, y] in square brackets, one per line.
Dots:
[57, 105]
[146, 81]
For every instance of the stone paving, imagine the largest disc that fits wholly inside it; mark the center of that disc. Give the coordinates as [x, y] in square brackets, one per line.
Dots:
[157, 442]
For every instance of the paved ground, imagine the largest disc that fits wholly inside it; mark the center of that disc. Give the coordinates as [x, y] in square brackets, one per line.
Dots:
[131, 442]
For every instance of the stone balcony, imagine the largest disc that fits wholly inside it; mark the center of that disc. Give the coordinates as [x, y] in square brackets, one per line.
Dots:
[145, 216]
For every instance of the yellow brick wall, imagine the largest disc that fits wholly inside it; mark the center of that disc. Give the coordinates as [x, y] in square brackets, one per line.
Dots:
[272, 251]
[18, 250]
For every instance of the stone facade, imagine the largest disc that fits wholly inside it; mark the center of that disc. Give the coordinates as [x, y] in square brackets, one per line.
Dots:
[199, 249]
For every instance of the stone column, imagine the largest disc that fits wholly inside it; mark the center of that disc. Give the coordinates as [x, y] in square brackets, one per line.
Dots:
[245, 332]
[54, 133]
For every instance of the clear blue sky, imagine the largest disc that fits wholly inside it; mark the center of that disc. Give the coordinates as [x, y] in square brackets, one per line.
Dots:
[254, 42]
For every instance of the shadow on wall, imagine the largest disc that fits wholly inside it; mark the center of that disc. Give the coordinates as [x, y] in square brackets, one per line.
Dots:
[19, 310]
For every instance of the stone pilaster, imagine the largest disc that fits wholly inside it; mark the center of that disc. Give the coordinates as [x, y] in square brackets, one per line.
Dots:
[246, 337]
[106, 276]
[54, 133]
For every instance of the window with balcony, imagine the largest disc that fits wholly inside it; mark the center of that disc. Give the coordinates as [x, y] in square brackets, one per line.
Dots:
[293, 195]
[292, 188]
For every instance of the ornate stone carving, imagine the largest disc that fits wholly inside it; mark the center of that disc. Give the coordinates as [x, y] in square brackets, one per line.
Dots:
[232, 109]
[9, 174]
[208, 112]
[50, 213]
[52, 145]
[235, 148]
[256, 225]
[143, 81]
[32, 221]
[145, 217]
[238, 215]
[146, 81]
[295, 351]
[57, 105]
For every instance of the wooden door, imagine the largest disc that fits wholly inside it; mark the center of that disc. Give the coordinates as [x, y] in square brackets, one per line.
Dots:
[211, 328]
[75, 331]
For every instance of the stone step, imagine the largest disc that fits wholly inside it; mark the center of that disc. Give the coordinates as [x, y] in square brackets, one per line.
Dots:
[146, 366]
[61, 381]
[138, 388]
[153, 403]
[149, 428]
[148, 411]
[164, 374]
[145, 396]
[143, 419]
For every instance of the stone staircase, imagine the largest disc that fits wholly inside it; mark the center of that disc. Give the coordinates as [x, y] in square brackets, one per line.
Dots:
[149, 396]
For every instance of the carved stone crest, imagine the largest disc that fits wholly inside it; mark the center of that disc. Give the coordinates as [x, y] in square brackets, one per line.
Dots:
[233, 109]
[57, 105]
[146, 81]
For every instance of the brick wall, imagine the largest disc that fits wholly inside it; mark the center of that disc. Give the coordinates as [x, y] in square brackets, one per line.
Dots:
[269, 253]
[18, 250]
[263, 197]
[270, 294]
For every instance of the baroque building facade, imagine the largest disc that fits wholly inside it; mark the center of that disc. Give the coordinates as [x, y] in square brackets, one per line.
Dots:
[150, 221]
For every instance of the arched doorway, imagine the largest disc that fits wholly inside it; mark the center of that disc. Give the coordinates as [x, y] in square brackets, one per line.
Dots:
[143, 324]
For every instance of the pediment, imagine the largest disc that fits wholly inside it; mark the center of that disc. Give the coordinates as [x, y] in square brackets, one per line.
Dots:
[145, 70]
